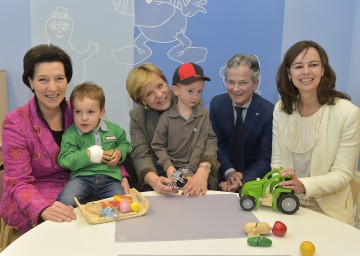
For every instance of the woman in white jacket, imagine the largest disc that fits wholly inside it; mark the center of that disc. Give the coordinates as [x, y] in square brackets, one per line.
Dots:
[316, 132]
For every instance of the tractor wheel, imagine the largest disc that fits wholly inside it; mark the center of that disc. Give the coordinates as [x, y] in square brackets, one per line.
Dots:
[288, 203]
[247, 203]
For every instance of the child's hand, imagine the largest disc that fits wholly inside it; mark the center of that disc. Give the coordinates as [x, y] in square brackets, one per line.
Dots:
[111, 157]
[95, 154]
[125, 185]
[170, 171]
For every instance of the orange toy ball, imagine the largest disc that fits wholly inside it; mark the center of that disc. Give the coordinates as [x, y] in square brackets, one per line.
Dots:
[307, 248]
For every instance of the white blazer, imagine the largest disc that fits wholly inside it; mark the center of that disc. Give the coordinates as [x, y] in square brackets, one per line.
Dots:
[334, 156]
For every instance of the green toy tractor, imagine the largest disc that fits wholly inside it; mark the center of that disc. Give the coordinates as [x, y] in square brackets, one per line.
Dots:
[266, 191]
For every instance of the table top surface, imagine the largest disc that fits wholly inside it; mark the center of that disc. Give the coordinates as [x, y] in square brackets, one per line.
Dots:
[331, 237]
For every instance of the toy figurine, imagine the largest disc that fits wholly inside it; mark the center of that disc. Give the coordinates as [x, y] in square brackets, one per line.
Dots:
[178, 177]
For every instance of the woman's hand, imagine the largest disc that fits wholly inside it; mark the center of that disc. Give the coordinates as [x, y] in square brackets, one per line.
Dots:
[170, 171]
[125, 185]
[160, 184]
[59, 212]
[294, 183]
[197, 184]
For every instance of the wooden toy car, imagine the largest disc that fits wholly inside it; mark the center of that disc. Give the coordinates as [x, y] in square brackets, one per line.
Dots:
[266, 191]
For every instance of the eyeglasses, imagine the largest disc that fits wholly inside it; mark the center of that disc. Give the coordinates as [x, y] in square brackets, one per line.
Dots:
[63, 25]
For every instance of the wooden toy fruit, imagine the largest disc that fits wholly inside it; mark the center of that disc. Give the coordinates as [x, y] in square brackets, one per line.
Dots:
[279, 228]
[94, 208]
[307, 248]
[115, 204]
[124, 206]
[256, 228]
[105, 204]
[259, 241]
[135, 206]
[119, 198]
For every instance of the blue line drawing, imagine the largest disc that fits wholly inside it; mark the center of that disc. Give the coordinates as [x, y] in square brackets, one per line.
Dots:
[164, 22]
[58, 29]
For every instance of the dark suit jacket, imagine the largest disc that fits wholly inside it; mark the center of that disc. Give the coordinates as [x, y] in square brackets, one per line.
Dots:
[258, 135]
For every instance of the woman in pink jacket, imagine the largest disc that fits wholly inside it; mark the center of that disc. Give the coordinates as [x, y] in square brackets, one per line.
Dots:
[31, 140]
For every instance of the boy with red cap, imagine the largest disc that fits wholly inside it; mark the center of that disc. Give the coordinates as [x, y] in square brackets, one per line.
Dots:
[182, 130]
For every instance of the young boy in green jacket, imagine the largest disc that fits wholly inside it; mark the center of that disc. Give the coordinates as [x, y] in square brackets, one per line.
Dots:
[92, 148]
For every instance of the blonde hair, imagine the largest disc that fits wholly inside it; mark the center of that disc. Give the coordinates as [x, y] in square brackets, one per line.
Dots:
[139, 77]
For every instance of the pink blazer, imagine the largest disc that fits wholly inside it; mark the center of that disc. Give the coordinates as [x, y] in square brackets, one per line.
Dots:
[33, 177]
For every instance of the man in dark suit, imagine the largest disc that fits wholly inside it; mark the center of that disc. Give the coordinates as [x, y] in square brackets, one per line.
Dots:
[242, 77]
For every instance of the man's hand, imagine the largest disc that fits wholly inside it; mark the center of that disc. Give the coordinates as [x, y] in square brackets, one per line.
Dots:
[233, 182]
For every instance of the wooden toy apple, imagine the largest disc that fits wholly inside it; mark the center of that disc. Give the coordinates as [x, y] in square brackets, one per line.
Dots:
[279, 228]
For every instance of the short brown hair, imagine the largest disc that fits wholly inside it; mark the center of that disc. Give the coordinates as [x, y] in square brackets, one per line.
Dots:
[90, 90]
[45, 53]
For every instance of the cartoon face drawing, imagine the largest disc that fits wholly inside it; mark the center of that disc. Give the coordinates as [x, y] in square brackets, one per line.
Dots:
[59, 23]
[58, 29]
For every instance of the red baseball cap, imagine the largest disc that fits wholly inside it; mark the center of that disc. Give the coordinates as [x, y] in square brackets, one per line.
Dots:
[188, 73]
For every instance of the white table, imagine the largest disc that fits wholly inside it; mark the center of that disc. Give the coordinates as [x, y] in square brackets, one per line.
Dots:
[331, 237]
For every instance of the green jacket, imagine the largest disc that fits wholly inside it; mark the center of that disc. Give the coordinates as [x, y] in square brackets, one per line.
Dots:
[74, 146]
